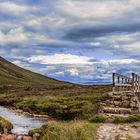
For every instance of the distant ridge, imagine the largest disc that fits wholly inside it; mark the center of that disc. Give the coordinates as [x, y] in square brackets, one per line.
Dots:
[15, 75]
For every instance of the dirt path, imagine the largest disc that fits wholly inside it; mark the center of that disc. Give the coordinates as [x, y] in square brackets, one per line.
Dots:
[117, 132]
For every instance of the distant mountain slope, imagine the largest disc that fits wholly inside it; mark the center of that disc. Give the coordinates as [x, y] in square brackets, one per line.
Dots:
[14, 75]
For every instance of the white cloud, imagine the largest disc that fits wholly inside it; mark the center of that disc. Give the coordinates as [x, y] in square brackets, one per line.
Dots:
[14, 9]
[21, 64]
[122, 41]
[76, 59]
[60, 59]
[50, 20]
[98, 9]
[16, 35]
[73, 72]
[118, 62]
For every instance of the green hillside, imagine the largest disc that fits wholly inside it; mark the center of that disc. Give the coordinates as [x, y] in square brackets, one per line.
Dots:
[14, 75]
[34, 93]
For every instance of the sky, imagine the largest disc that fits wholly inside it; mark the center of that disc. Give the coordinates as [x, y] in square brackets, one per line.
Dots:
[80, 41]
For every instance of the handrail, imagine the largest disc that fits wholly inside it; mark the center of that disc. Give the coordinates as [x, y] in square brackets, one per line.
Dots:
[121, 83]
[124, 85]
[116, 74]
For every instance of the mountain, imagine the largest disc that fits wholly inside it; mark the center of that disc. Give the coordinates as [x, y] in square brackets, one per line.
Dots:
[10, 74]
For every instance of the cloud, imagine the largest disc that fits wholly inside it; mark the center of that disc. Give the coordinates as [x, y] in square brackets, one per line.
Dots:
[14, 8]
[59, 59]
[98, 10]
[74, 40]
[16, 35]
[21, 64]
[87, 71]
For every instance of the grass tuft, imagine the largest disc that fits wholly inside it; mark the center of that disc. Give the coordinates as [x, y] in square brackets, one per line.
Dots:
[129, 119]
[74, 130]
[98, 119]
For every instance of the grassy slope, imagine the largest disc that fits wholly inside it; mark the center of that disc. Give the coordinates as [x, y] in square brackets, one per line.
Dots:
[12, 74]
[42, 95]
[58, 99]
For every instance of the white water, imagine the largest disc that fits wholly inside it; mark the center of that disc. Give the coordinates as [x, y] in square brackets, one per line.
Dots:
[22, 124]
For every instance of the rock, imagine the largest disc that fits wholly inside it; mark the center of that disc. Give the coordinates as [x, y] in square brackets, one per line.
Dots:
[27, 138]
[7, 137]
[126, 103]
[124, 128]
[117, 103]
[135, 126]
[125, 98]
[36, 136]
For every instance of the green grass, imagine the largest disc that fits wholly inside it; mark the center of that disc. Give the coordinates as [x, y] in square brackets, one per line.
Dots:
[129, 119]
[129, 137]
[98, 119]
[74, 130]
[65, 105]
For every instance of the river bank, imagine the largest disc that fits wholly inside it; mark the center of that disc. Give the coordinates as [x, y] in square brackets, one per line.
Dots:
[21, 123]
[21, 112]
[63, 130]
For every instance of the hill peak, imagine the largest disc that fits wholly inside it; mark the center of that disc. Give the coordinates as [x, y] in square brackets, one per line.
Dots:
[15, 75]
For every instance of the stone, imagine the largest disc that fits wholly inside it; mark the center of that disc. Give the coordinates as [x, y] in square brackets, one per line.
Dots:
[126, 103]
[117, 103]
[124, 128]
[7, 137]
[125, 98]
[27, 138]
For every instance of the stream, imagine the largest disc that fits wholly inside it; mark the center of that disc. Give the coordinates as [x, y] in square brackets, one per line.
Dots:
[22, 124]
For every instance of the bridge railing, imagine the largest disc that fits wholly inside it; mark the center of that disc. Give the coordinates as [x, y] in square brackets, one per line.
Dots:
[136, 84]
[121, 83]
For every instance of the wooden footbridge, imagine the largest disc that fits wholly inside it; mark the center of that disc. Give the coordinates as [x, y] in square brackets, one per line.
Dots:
[125, 95]
[126, 85]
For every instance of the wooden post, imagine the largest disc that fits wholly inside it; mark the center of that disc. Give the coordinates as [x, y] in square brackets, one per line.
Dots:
[113, 76]
[133, 83]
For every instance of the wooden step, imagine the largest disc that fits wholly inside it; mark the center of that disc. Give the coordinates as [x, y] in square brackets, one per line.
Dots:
[116, 110]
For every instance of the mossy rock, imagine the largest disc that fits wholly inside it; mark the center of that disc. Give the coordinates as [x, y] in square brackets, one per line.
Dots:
[5, 124]
[33, 131]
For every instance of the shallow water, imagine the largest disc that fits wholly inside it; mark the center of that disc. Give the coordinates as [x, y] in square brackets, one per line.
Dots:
[22, 124]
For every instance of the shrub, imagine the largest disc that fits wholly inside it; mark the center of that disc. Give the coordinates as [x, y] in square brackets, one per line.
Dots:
[98, 119]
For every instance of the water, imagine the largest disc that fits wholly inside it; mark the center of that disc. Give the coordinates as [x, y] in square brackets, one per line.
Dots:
[22, 124]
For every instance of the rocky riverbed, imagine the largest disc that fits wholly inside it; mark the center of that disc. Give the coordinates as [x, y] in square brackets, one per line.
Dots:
[21, 123]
